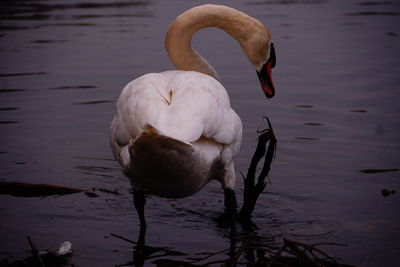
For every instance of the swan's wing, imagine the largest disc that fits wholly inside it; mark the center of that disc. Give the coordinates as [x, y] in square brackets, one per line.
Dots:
[199, 106]
[183, 105]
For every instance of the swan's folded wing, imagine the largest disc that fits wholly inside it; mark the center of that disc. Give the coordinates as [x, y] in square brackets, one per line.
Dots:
[183, 105]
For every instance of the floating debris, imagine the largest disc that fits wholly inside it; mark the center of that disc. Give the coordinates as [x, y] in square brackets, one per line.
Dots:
[36, 190]
[57, 257]
[304, 106]
[49, 41]
[11, 90]
[9, 122]
[93, 102]
[73, 87]
[378, 170]
[391, 34]
[22, 74]
[373, 13]
[313, 124]
[306, 138]
[387, 192]
[7, 109]
[358, 111]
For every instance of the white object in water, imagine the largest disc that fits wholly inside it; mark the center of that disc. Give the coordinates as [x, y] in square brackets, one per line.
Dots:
[65, 248]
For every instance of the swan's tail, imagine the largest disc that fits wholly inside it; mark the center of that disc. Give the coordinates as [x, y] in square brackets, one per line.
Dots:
[151, 141]
[149, 129]
[163, 166]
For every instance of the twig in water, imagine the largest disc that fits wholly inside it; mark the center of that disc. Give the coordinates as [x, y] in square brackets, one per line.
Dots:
[123, 238]
[253, 189]
[306, 254]
[35, 253]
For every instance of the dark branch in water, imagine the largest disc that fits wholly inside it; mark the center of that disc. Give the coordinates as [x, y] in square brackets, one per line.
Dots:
[304, 255]
[43, 190]
[253, 188]
[123, 238]
[36, 190]
[290, 253]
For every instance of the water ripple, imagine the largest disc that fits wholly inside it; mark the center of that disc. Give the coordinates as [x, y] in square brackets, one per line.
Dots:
[373, 13]
[93, 102]
[21, 74]
[7, 109]
[9, 122]
[12, 90]
[303, 106]
[313, 124]
[74, 87]
[306, 138]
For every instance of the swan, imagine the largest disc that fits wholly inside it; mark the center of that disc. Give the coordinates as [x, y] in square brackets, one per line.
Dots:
[174, 131]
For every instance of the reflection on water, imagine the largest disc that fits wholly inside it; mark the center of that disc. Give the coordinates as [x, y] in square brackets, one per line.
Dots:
[372, 13]
[245, 248]
[335, 114]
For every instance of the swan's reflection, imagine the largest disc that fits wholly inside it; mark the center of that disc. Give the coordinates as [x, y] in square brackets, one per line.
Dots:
[141, 252]
[246, 246]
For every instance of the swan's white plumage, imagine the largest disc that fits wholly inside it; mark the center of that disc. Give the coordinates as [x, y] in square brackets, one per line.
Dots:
[184, 105]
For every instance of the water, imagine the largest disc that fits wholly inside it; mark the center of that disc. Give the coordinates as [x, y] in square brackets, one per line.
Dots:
[335, 113]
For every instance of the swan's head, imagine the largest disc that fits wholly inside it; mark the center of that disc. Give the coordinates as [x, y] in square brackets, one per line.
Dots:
[264, 72]
[260, 51]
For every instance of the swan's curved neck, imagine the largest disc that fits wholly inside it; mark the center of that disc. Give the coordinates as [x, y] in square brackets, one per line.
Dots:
[180, 32]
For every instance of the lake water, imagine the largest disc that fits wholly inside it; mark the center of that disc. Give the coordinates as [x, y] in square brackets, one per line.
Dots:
[335, 115]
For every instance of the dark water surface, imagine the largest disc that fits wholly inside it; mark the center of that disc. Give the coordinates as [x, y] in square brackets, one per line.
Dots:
[335, 114]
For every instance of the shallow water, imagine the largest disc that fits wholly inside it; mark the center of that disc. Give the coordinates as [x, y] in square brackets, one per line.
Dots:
[335, 114]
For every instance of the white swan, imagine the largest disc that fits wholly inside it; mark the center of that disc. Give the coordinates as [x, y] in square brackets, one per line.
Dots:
[174, 131]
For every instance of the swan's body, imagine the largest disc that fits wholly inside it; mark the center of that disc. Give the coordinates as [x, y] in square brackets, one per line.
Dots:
[174, 131]
[183, 132]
